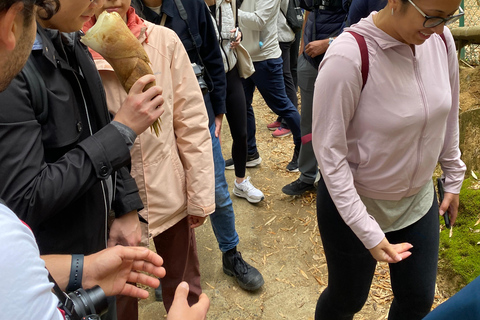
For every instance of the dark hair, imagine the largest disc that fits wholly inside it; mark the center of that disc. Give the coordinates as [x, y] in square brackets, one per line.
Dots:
[48, 7]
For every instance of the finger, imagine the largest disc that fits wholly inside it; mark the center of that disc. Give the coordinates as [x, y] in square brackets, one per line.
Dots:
[445, 205]
[141, 278]
[202, 305]
[143, 266]
[134, 291]
[181, 293]
[141, 83]
[453, 216]
[141, 255]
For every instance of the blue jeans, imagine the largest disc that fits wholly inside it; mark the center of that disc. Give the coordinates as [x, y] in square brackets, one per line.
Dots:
[463, 305]
[268, 78]
[223, 219]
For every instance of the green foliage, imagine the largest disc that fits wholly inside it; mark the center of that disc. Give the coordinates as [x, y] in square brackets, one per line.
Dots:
[461, 253]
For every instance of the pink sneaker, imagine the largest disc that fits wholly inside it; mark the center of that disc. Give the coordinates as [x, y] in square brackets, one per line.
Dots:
[274, 125]
[281, 132]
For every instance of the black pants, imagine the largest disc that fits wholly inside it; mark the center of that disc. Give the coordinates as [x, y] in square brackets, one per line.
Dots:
[290, 87]
[351, 266]
[237, 120]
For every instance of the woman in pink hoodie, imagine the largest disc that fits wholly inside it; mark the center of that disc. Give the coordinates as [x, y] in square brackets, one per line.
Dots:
[377, 142]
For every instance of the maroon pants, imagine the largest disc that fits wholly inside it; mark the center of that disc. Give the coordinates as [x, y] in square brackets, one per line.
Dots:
[178, 248]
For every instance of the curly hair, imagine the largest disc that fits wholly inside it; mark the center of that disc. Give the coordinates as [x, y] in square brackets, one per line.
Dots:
[49, 7]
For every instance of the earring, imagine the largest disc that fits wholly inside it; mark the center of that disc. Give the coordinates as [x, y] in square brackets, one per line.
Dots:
[392, 11]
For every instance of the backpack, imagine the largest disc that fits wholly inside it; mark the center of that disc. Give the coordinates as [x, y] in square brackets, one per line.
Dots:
[364, 53]
[37, 89]
[294, 15]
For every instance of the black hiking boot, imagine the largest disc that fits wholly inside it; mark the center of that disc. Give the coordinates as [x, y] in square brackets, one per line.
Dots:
[247, 276]
[297, 188]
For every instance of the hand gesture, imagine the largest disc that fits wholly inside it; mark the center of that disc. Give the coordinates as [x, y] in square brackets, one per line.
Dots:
[113, 268]
[391, 253]
[140, 109]
[180, 309]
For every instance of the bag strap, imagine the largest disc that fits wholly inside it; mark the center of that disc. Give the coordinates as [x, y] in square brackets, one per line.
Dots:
[235, 12]
[444, 41]
[364, 55]
[184, 16]
[38, 90]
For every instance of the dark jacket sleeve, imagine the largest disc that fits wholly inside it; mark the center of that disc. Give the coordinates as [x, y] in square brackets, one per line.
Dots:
[126, 198]
[212, 58]
[35, 189]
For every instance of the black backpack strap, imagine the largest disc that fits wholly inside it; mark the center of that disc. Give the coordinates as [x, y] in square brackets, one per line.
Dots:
[38, 91]
[364, 54]
[184, 16]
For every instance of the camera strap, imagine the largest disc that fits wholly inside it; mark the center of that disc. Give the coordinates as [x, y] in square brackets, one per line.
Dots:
[184, 16]
[64, 301]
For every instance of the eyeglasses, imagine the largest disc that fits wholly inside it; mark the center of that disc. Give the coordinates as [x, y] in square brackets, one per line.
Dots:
[433, 21]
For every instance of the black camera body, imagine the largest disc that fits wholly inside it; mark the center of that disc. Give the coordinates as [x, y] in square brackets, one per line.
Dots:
[84, 304]
[199, 71]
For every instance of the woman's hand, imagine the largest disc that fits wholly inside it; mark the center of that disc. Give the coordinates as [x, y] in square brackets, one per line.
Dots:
[450, 203]
[235, 43]
[196, 221]
[391, 253]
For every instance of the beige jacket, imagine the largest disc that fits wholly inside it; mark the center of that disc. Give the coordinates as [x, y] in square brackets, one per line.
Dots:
[174, 172]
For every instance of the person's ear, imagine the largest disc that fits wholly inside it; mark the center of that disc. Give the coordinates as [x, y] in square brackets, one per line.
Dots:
[9, 26]
[394, 5]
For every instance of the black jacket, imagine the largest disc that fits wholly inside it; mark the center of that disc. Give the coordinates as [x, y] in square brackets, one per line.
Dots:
[203, 31]
[58, 176]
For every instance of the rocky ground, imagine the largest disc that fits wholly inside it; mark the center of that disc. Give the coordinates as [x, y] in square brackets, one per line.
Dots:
[280, 237]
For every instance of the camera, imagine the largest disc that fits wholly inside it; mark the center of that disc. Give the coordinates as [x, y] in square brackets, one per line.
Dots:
[199, 73]
[84, 304]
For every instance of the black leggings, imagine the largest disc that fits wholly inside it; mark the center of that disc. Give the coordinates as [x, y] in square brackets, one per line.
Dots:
[351, 266]
[237, 120]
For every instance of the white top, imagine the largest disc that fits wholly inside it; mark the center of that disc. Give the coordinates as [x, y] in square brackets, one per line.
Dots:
[258, 21]
[25, 291]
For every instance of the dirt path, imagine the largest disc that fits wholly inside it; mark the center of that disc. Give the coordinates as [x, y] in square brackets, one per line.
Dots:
[280, 237]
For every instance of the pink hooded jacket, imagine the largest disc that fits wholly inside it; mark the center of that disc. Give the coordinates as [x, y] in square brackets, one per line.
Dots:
[174, 171]
[385, 141]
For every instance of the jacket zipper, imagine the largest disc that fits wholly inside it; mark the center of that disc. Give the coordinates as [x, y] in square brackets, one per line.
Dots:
[425, 112]
[105, 202]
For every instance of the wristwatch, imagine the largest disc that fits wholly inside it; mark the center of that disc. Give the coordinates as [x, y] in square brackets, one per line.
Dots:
[330, 40]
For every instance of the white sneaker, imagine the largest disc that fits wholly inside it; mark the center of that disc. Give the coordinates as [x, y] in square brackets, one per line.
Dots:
[248, 191]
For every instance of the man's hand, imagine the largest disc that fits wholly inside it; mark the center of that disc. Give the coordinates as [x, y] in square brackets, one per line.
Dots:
[113, 268]
[140, 109]
[316, 48]
[180, 309]
[125, 230]
[450, 203]
[218, 125]
[391, 253]
[195, 221]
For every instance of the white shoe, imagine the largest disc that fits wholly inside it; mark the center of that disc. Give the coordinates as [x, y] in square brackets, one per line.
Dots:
[248, 191]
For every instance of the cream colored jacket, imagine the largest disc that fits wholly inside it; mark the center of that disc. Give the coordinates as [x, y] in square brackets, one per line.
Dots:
[174, 172]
